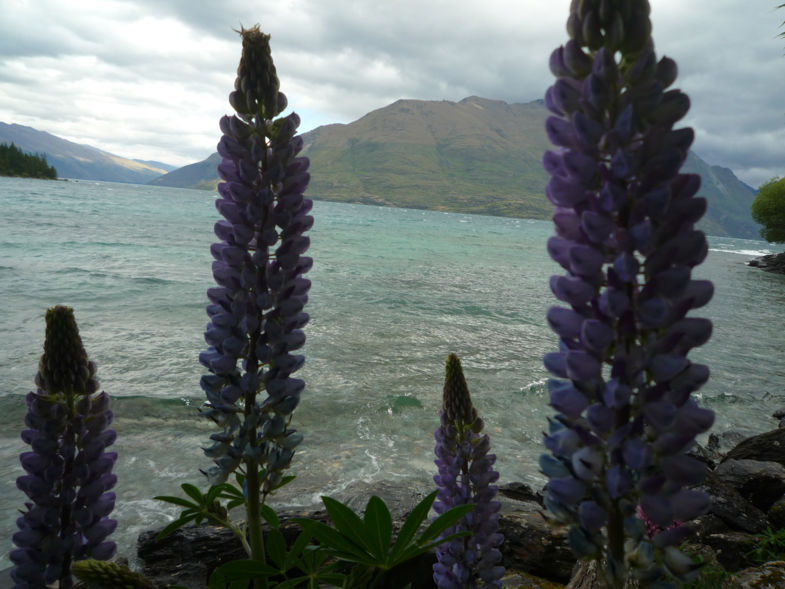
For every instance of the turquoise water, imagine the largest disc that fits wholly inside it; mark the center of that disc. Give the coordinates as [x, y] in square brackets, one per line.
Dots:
[394, 291]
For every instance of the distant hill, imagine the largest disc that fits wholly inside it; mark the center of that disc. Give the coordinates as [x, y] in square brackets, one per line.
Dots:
[73, 160]
[201, 175]
[474, 156]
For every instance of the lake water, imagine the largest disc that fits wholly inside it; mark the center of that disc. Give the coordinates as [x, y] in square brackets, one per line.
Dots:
[394, 292]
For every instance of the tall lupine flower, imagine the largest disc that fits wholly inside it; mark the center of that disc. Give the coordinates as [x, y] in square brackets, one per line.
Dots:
[69, 473]
[625, 234]
[256, 311]
[465, 476]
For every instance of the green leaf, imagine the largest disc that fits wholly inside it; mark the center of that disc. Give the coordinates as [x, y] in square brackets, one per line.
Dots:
[234, 503]
[298, 546]
[269, 515]
[177, 501]
[331, 539]
[240, 571]
[411, 525]
[276, 549]
[444, 521]
[378, 528]
[194, 493]
[346, 521]
[178, 523]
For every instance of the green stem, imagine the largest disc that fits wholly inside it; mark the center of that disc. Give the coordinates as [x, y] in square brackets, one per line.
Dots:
[253, 508]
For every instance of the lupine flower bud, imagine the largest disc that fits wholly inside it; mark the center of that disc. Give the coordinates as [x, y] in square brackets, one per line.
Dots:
[256, 311]
[625, 236]
[465, 477]
[69, 474]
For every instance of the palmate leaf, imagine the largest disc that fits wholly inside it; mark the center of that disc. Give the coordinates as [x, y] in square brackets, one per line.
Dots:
[412, 524]
[346, 521]
[378, 528]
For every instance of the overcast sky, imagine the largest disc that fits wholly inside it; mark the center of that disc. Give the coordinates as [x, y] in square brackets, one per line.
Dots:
[148, 79]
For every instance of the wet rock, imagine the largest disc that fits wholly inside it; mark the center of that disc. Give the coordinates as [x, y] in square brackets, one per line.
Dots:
[532, 544]
[767, 576]
[776, 514]
[728, 505]
[770, 263]
[732, 549]
[766, 447]
[760, 483]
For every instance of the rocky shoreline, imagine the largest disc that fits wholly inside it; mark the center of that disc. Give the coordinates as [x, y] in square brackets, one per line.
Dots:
[771, 263]
[746, 484]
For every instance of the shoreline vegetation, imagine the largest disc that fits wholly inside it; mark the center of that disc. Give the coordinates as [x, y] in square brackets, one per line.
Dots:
[16, 163]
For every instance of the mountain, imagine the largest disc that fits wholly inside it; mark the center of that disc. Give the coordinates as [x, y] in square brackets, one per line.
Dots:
[201, 175]
[74, 160]
[474, 156]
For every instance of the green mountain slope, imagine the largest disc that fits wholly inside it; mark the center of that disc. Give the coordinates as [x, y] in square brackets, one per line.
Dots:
[474, 156]
[73, 160]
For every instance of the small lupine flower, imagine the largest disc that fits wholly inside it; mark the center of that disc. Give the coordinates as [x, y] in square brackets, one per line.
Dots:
[625, 235]
[256, 311]
[465, 477]
[69, 473]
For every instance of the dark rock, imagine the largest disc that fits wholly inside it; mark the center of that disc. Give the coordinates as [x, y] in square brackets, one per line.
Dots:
[732, 549]
[770, 263]
[532, 544]
[705, 525]
[766, 447]
[708, 457]
[721, 443]
[779, 413]
[760, 483]
[520, 492]
[728, 505]
[188, 556]
[766, 576]
[400, 499]
[776, 514]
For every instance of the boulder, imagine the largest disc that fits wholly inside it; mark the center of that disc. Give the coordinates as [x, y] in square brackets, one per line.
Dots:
[732, 549]
[776, 514]
[770, 263]
[728, 505]
[761, 483]
[532, 544]
[766, 576]
[766, 447]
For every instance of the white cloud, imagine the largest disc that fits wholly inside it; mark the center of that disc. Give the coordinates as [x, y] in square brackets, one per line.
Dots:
[149, 78]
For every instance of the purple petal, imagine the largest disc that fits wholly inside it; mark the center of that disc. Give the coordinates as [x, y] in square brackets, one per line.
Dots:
[653, 312]
[566, 490]
[689, 504]
[572, 290]
[555, 363]
[636, 453]
[568, 224]
[613, 302]
[592, 516]
[582, 365]
[616, 394]
[597, 227]
[618, 481]
[566, 399]
[565, 192]
[664, 367]
[658, 509]
[565, 322]
[596, 335]
[559, 132]
[683, 469]
[600, 418]
[585, 261]
[660, 415]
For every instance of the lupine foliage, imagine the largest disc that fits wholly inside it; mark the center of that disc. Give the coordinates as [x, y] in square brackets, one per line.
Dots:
[625, 235]
[69, 473]
[465, 477]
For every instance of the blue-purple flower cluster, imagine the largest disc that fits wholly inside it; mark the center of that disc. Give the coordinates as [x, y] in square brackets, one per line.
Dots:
[256, 311]
[625, 235]
[465, 477]
[69, 473]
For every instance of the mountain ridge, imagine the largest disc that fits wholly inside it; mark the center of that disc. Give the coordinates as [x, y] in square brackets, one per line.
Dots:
[80, 161]
[477, 155]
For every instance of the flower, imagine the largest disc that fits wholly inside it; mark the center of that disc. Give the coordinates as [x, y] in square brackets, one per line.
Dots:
[69, 473]
[256, 311]
[626, 238]
[465, 477]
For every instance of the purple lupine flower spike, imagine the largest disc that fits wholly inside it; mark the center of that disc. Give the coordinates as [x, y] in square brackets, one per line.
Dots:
[256, 311]
[69, 473]
[625, 236]
[465, 477]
